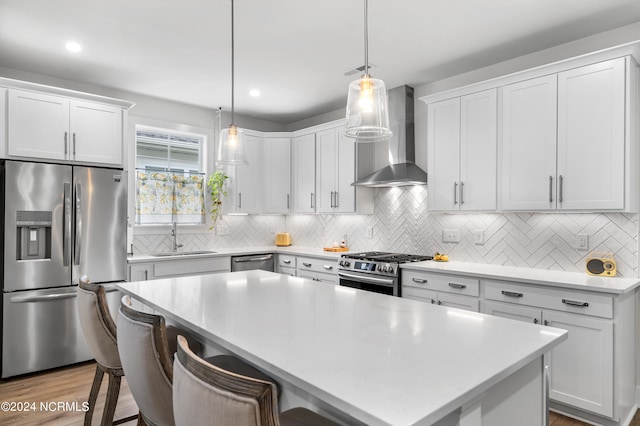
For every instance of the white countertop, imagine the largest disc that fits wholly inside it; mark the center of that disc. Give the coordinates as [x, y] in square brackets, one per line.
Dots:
[384, 360]
[575, 280]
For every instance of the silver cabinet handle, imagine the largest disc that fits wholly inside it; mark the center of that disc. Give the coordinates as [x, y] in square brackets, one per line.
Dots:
[455, 192]
[253, 259]
[419, 280]
[239, 200]
[78, 222]
[333, 202]
[575, 303]
[327, 267]
[439, 302]
[560, 191]
[288, 201]
[535, 320]
[66, 226]
[433, 301]
[551, 189]
[146, 274]
[458, 286]
[74, 145]
[308, 265]
[336, 203]
[461, 193]
[511, 293]
[545, 322]
[66, 150]
[287, 261]
[312, 206]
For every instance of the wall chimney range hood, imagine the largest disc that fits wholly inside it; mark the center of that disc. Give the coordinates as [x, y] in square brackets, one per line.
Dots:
[401, 171]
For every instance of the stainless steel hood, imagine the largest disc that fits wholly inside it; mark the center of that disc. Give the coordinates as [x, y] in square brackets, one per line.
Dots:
[401, 171]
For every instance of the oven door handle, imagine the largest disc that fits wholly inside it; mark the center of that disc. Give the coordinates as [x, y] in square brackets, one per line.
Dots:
[371, 280]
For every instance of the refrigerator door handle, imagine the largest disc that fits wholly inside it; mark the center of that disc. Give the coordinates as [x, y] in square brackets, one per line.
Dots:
[43, 298]
[66, 224]
[78, 223]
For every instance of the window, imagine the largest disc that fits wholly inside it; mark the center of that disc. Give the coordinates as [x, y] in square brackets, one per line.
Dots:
[169, 177]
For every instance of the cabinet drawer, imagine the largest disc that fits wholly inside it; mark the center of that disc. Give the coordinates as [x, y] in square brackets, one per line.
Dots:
[192, 266]
[319, 276]
[544, 297]
[286, 261]
[439, 282]
[317, 265]
[287, 271]
[420, 294]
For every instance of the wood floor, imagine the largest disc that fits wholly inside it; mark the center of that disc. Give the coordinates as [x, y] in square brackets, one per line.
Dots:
[71, 385]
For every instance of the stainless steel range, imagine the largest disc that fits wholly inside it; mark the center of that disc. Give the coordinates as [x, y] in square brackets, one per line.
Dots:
[374, 270]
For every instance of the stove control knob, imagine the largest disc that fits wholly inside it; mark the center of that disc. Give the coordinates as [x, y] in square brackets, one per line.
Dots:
[385, 268]
[345, 263]
[391, 269]
[378, 268]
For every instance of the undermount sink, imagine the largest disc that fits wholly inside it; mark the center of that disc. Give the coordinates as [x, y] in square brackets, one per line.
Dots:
[182, 253]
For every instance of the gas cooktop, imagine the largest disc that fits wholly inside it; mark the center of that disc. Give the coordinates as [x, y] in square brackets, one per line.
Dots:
[381, 256]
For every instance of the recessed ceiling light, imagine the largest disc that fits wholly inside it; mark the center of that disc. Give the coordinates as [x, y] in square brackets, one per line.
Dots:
[254, 92]
[72, 46]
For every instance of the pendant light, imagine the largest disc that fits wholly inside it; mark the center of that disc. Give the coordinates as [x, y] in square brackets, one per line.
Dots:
[367, 109]
[231, 150]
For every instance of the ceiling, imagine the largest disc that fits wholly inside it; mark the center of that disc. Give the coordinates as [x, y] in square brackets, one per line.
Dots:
[294, 51]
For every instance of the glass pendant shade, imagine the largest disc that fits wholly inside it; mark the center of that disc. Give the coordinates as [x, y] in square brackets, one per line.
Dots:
[367, 110]
[231, 150]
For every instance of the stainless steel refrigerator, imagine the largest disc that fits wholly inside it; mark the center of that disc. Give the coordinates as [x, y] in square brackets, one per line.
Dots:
[60, 222]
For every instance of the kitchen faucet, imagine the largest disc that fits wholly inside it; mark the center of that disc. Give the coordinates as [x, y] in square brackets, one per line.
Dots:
[174, 235]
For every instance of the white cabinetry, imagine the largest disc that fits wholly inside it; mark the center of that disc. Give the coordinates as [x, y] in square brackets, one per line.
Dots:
[41, 125]
[286, 264]
[582, 369]
[462, 138]
[446, 290]
[563, 140]
[246, 180]
[317, 269]
[276, 166]
[335, 168]
[304, 173]
[178, 267]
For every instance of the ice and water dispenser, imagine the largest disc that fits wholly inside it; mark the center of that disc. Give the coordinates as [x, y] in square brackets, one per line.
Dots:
[34, 235]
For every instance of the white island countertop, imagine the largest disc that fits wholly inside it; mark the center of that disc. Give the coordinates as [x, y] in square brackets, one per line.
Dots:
[383, 360]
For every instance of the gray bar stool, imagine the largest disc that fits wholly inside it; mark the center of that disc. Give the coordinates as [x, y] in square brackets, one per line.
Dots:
[146, 351]
[205, 394]
[100, 333]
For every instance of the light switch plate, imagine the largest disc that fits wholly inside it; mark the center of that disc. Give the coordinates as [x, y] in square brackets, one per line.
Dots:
[368, 232]
[478, 237]
[582, 242]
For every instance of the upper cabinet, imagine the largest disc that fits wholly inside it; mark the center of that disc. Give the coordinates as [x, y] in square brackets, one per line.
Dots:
[304, 174]
[246, 181]
[48, 126]
[566, 141]
[461, 149]
[276, 165]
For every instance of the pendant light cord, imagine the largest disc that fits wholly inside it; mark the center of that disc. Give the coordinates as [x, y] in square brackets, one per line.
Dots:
[366, 37]
[232, 66]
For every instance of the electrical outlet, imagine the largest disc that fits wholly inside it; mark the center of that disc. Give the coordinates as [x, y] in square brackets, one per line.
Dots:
[368, 232]
[450, 236]
[478, 237]
[582, 242]
[222, 230]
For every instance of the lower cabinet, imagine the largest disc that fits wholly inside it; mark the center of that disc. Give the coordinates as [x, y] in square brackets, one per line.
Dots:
[446, 290]
[178, 268]
[286, 264]
[582, 368]
[312, 268]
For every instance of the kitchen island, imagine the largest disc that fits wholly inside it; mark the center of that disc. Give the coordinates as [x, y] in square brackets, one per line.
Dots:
[361, 357]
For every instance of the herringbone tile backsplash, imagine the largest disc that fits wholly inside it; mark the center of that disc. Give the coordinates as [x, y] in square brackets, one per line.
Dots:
[402, 223]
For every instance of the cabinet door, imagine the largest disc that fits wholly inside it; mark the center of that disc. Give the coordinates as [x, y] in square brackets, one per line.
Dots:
[582, 367]
[96, 133]
[467, 303]
[37, 125]
[478, 150]
[591, 132]
[345, 197]
[515, 312]
[140, 272]
[528, 151]
[326, 171]
[277, 175]
[304, 174]
[248, 196]
[443, 150]
[3, 122]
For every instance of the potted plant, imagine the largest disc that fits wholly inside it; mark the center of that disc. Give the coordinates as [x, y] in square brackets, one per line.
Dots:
[217, 190]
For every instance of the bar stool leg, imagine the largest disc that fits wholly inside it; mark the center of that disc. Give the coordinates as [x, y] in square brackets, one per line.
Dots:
[93, 395]
[112, 397]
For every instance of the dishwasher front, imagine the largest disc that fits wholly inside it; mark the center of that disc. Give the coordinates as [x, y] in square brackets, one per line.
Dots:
[251, 262]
